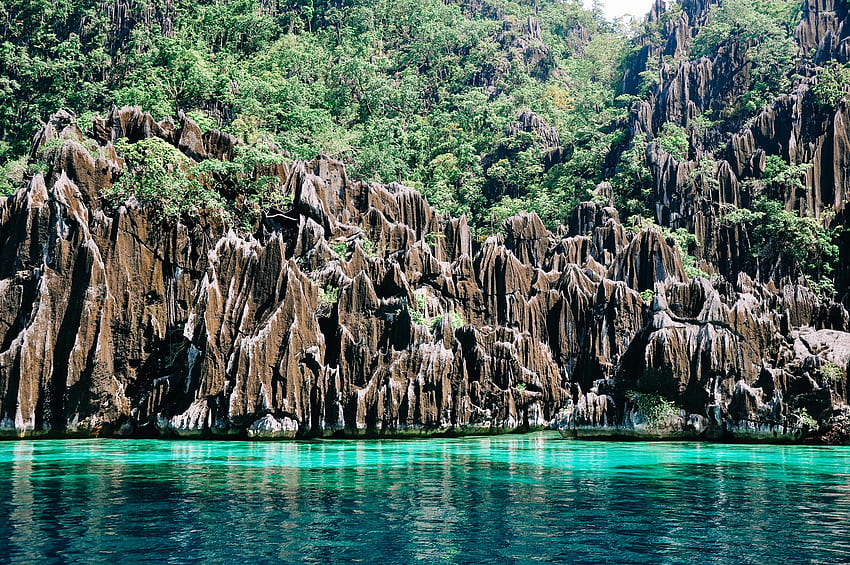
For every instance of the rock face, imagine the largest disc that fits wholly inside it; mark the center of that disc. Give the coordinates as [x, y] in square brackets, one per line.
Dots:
[794, 126]
[361, 311]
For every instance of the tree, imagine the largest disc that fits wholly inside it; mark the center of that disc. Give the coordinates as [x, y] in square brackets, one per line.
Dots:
[783, 240]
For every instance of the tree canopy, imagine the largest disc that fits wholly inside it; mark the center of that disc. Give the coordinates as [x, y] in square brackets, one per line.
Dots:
[422, 92]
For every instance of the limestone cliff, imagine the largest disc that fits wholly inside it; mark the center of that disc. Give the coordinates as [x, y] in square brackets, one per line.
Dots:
[361, 311]
[795, 127]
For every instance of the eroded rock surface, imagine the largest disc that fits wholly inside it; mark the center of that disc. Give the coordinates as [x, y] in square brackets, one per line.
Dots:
[795, 126]
[362, 311]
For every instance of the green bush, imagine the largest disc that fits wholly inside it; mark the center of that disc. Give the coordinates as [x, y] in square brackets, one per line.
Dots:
[455, 320]
[417, 310]
[780, 176]
[369, 247]
[763, 30]
[703, 174]
[777, 233]
[328, 297]
[266, 193]
[684, 241]
[160, 177]
[653, 407]
[12, 176]
[803, 240]
[340, 249]
[832, 373]
[203, 119]
[432, 238]
[804, 419]
[832, 84]
[674, 141]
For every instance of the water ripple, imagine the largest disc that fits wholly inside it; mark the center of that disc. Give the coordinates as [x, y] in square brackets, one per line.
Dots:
[508, 499]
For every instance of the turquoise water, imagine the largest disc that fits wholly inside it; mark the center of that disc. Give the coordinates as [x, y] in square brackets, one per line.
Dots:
[506, 499]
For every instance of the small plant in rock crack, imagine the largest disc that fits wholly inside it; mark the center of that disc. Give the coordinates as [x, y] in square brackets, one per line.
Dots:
[328, 296]
[455, 320]
[418, 318]
[832, 373]
[417, 311]
[340, 249]
[433, 238]
[647, 295]
[804, 419]
[369, 248]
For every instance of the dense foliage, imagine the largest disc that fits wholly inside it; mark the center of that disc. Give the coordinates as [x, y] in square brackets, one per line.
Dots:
[487, 106]
[422, 92]
[158, 175]
[783, 238]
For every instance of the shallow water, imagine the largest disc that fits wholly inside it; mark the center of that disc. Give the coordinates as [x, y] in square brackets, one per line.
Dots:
[505, 499]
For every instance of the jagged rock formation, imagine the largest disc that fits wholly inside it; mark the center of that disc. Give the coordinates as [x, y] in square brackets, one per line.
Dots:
[794, 126]
[824, 30]
[361, 311]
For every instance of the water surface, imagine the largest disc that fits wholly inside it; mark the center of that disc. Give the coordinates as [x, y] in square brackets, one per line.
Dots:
[505, 499]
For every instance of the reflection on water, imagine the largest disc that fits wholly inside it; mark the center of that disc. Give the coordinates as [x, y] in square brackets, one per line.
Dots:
[494, 499]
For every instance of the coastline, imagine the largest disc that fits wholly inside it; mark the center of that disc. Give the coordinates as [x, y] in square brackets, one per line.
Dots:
[613, 434]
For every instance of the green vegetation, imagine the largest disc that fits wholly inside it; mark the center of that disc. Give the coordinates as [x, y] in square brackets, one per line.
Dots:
[802, 244]
[433, 238]
[369, 247]
[685, 242]
[804, 419]
[328, 297]
[419, 92]
[804, 239]
[418, 318]
[633, 182]
[832, 373]
[417, 313]
[831, 86]
[455, 320]
[12, 176]
[674, 141]
[467, 102]
[162, 177]
[653, 407]
[340, 249]
[647, 296]
[248, 168]
[763, 32]
[681, 238]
